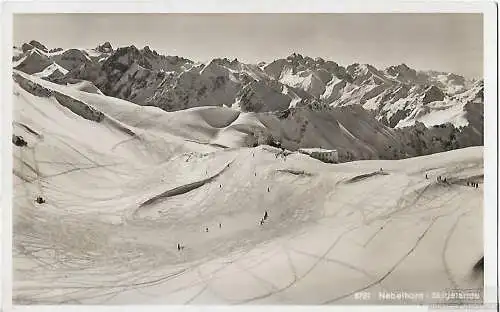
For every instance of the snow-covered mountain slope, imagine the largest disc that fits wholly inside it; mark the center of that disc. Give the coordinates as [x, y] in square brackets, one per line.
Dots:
[394, 94]
[352, 131]
[124, 184]
[398, 95]
[53, 70]
[452, 108]
[32, 61]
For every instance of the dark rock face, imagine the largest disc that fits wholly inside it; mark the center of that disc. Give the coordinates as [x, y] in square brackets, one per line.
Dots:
[432, 94]
[123, 58]
[31, 87]
[38, 45]
[79, 108]
[72, 58]
[260, 97]
[113, 69]
[396, 117]
[57, 74]
[55, 50]
[456, 79]
[403, 73]
[26, 47]
[34, 62]
[72, 104]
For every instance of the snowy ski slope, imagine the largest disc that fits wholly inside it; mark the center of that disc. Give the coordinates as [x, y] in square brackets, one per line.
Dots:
[125, 184]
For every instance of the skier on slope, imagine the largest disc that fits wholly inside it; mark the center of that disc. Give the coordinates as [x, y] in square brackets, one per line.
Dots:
[178, 246]
[265, 215]
[40, 200]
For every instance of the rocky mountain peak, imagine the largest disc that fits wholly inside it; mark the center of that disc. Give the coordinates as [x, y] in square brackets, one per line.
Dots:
[38, 45]
[122, 58]
[149, 53]
[402, 73]
[26, 47]
[105, 48]
[396, 94]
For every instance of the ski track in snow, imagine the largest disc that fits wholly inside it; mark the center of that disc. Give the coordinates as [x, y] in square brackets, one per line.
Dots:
[114, 214]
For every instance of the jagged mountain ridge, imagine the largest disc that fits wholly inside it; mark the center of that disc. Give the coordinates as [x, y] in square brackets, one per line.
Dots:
[351, 130]
[398, 96]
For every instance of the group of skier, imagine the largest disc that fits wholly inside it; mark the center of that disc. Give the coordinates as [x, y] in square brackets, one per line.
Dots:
[473, 184]
[266, 215]
[443, 180]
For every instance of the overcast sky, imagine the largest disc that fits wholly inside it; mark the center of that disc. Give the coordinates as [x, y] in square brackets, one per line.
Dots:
[445, 42]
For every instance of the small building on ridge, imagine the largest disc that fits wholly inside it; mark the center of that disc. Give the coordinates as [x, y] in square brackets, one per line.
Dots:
[325, 155]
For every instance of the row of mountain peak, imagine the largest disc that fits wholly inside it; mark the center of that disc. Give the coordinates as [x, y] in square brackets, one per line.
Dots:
[398, 96]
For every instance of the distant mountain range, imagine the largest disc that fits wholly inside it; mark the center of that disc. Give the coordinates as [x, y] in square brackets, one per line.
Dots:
[428, 110]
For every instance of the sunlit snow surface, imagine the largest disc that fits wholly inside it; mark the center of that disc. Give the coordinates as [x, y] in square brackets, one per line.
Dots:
[122, 193]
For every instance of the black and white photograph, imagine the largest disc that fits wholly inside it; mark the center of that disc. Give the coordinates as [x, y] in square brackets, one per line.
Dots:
[248, 158]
